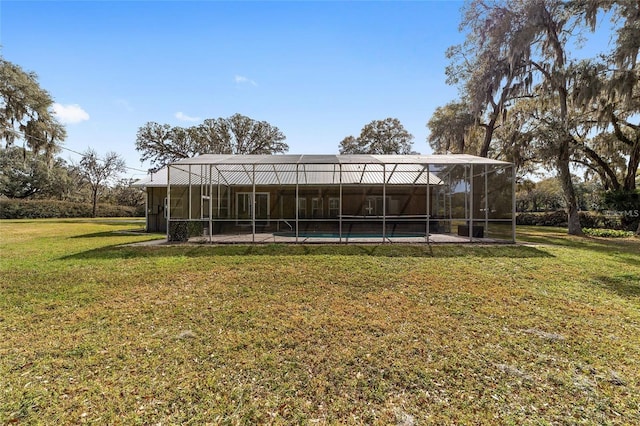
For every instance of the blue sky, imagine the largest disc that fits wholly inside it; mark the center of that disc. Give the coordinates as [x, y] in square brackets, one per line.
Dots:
[319, 71]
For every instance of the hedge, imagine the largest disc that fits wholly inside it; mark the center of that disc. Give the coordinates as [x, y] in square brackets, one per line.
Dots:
[587, 220]
[607, 233]
[41, 209]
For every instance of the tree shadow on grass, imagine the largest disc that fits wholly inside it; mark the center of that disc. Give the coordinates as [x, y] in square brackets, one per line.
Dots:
[382, 250]
[87, 220]
[118, 233]
[625, 249]
[625, 285]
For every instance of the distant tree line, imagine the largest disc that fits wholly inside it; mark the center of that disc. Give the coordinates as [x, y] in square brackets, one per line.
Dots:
[28, 176]
[546, 195]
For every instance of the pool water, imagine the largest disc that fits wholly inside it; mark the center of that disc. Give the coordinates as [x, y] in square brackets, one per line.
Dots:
[350, 235]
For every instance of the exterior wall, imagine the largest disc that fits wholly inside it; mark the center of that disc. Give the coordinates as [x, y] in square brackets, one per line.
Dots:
[319, 202]
[318, 208]
[182, 207]
[156, 214]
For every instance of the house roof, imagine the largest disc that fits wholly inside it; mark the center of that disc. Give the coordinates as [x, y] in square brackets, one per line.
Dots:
[338, 159]
[310, 169]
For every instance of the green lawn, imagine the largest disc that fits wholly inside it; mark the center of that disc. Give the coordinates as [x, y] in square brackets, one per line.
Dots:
[93, 331]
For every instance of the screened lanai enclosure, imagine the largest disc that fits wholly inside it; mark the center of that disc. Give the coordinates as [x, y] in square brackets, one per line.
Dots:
[334, 198]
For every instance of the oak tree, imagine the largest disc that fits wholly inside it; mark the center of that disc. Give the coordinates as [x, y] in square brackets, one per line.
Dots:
[238, 134]
[386, 136]
[26, 111]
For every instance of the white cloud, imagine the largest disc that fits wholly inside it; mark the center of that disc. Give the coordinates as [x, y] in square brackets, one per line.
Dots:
[184, 117]
[124, 104]
[240, 79]
[70, 114]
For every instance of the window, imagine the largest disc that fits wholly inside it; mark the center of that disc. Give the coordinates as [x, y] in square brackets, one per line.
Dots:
[302, 208]
[204, 207]
[334, 207]
[316, 208]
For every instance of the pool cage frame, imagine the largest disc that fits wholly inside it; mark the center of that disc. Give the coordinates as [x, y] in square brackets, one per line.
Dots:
[233, 195]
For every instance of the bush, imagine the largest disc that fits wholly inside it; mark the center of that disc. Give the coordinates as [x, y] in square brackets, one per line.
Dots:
[178, 231]
[599, 220]
[607, 233]
[48, 209]
[182, 230]
[622, 200]
[625, 205]
[559, 218]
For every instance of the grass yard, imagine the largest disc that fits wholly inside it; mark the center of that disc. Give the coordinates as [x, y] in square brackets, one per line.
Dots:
[95, 332]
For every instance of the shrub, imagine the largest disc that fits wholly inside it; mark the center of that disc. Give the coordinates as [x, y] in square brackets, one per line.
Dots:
[607, 233]
[178, 231]
[182, 230]
[622, 200]
[625, 205]
[599, 220]
[46, 209]
[559, 218]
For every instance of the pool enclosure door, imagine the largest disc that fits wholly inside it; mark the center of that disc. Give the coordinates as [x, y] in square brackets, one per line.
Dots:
[244, 206]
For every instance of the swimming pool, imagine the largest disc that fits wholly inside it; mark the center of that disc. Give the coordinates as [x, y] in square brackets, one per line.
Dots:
[351, 235]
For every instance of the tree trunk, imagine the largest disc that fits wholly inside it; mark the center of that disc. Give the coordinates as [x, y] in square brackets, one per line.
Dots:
[95, 203]
[488, 135]
[564, 173]
[632, 168]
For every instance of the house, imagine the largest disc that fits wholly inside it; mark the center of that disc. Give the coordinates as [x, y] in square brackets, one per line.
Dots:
[294, 197]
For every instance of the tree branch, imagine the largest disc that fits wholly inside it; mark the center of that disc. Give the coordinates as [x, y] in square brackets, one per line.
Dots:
[618, 131]
[603, 165]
